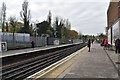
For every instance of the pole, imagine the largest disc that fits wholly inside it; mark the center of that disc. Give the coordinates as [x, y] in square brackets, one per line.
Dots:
[0, 42]
[119, 38]
[36, 39]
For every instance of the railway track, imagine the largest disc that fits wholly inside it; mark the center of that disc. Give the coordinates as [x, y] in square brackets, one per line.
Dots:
[23, 69]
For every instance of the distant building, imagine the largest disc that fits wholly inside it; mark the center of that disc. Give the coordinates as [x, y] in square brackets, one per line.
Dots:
[113, 21]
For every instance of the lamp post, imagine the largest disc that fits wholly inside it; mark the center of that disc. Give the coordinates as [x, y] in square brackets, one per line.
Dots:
[119, 37]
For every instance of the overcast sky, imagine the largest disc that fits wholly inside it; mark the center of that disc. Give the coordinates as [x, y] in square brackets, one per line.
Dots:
[86, 16]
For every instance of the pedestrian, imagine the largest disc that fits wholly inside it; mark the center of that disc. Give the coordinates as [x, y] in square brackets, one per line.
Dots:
[105, 44]
[89, 45]
[117, 46]
[33, 44]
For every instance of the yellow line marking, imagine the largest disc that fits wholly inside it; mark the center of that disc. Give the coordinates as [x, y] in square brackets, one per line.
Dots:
[56, 72]
[57, 65]
[52, 68]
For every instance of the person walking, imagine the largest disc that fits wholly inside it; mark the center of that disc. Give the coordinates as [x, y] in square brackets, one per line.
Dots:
[89, 45]
[117, 50]
[117, 46]
[33, 44]
[105, 44]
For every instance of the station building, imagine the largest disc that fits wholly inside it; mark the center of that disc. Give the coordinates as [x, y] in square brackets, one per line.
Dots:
[113, 21]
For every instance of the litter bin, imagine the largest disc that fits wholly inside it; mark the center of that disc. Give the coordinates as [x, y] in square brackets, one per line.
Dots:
[3, 46]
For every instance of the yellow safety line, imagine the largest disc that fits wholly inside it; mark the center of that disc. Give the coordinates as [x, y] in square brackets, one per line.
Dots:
[52, 68]
[55, 66]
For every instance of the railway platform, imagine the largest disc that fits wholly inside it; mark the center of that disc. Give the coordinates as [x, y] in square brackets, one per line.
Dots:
[29, 50]
[23, 51]
[98, 64]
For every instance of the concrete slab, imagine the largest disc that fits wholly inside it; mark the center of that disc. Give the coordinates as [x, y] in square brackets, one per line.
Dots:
[94, 64]
[115, 59]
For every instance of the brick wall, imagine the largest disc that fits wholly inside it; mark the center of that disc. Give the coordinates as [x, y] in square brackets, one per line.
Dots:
[112, 13]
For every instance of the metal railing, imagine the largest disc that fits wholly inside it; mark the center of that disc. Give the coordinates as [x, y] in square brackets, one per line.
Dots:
[19, 41]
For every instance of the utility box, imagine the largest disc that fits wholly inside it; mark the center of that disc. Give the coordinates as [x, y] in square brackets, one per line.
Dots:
[3, 46]
[56, 42]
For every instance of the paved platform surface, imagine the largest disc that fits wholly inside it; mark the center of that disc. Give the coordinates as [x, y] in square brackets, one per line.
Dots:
[94, 64]
[115, 59]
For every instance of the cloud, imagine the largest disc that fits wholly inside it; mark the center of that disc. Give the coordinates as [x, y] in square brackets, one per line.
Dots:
[90, 20]
[87, 16]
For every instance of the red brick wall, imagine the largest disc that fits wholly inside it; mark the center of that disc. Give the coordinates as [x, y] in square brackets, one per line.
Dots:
[112, 13]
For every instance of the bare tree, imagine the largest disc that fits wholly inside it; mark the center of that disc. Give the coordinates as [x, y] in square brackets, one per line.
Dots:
[7, 27]
[0, 19]
[56, 26]
[3, 13]
[25, 15]
[13, 22]
[68, 25]
[49, 18]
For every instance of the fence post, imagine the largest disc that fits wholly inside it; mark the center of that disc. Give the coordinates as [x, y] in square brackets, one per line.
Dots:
[13, 39]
